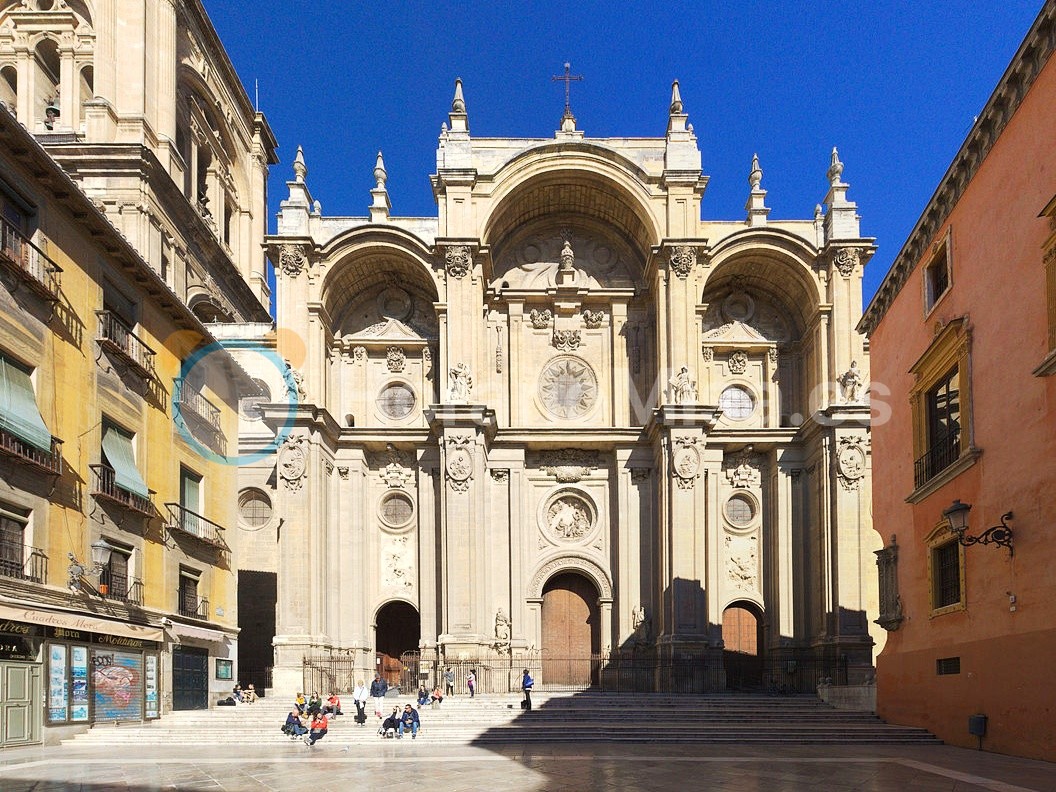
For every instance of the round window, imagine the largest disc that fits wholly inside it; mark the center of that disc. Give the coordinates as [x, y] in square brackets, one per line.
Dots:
[740, 511]
[396, 400]
[736, 403]
[396, 509]
[254, 507]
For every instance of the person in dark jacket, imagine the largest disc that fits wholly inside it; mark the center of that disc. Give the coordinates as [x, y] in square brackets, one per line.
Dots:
[378, 688]
[293, 725]
[526, 686]
[409, 720]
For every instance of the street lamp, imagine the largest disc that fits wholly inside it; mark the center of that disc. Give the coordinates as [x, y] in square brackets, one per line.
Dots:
[101, 551]
[956, 515]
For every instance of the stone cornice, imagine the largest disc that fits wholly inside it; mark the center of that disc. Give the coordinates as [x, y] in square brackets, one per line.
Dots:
[1028, 62]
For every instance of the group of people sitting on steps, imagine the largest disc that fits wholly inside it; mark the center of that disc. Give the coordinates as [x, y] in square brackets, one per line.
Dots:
[310, 718]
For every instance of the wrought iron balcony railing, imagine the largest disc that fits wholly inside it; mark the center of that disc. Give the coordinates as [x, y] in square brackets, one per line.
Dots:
[194, 606]
[189, 523]
[38, 272]
[25, 454]
[123, 588]
[104, 485]
[938, 457]
[22, 562]
[194, 405]
[118, 337]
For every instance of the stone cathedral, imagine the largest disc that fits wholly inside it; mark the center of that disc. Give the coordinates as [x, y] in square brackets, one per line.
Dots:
[565, 418]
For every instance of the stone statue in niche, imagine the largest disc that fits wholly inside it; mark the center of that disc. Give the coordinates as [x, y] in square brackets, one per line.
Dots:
[683, 389]
[460, 384]
[851, 384]
[641, 624]
[502, 626]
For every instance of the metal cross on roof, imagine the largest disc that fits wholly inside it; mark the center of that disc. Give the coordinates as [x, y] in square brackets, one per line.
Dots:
[567, 79]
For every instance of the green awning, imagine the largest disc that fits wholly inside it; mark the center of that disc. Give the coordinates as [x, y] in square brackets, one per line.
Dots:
[117, 447]
[19, 413]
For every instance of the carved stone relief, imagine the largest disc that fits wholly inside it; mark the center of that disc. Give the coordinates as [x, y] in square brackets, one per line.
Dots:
[459, 467]
[685, 462]
[851, 462]
[568, 517]
[742, 470]
[569, 464]
[359, 354]
[568, 387]
[457, 260]
[397, 573]
[845, 259]
[683, 258]
[593, 319]
[293, 462]
[292, 260]
[738, 362]
[541, 319]
[396, 471]
[395, 359]
[566, 340]
[460, 384]
[742, 562]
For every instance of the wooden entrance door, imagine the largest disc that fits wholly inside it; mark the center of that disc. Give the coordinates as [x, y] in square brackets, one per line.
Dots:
[741, 657]
[571, 631]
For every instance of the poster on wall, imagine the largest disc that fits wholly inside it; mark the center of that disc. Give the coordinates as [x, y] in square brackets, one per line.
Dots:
[150, 687]
[117, 678]
[57, 693]
[79, 676]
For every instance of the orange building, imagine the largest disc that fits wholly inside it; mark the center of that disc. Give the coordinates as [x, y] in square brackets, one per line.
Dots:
[963, 334]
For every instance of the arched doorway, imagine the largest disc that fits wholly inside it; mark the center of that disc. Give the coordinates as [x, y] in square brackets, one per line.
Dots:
[742, 654]
[571, 631]
[398, 630]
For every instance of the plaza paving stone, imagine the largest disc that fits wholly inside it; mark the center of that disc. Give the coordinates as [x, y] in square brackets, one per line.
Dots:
[581, 767]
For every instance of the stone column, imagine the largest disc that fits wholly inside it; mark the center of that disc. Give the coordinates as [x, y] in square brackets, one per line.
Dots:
[464, 431]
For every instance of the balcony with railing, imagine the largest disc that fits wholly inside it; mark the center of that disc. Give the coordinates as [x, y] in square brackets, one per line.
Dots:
[184, 522]
[117, 337]
[28, 262]
[201, 416]
[25, 454]
[104, 486]
[123, 589]
[939, 456]
[22, 562]
[193, 606]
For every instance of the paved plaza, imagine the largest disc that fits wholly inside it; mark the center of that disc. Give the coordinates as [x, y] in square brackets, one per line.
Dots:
[334, 765]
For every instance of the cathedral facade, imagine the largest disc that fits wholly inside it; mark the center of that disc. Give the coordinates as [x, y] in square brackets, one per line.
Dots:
[564, 418]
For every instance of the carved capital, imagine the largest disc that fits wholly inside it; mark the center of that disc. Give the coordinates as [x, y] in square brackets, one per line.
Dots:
[292, 260]
[458, 259]
[845, 259]
[682, 259]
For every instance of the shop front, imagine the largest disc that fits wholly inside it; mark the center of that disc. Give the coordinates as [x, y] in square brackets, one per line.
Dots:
[93, 670]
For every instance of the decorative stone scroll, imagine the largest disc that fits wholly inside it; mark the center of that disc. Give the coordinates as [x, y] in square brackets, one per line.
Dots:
[683, 258]
[708, 354]
[457, 260]
[566, 340]
[459, 467]
[395, 359]
[500, 475]
[293, 462]
[359, 354]
[541, 319]
[569, 465]
[292, 260]
[845, 259]
[593, 319]
[397, 472]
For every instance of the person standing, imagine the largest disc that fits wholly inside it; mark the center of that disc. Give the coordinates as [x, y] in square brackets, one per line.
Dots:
[526, 686]
[449, 681]
[359, 697]
[378, 688]
[471, 682]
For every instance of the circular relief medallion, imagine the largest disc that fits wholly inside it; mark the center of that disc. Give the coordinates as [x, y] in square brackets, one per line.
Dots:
[396, 400]
[740, 511]
[396, 509]
[568, 517]
[686, 462]
[395, 303]
[851, 461]
[459, 464]
[568, 387]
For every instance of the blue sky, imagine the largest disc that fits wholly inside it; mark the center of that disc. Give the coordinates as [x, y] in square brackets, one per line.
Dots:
[895, 85]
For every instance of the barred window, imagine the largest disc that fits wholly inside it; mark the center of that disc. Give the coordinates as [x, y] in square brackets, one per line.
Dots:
[946, 572]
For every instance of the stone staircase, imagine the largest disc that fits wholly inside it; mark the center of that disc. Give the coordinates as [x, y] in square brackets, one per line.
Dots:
[555, 718]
